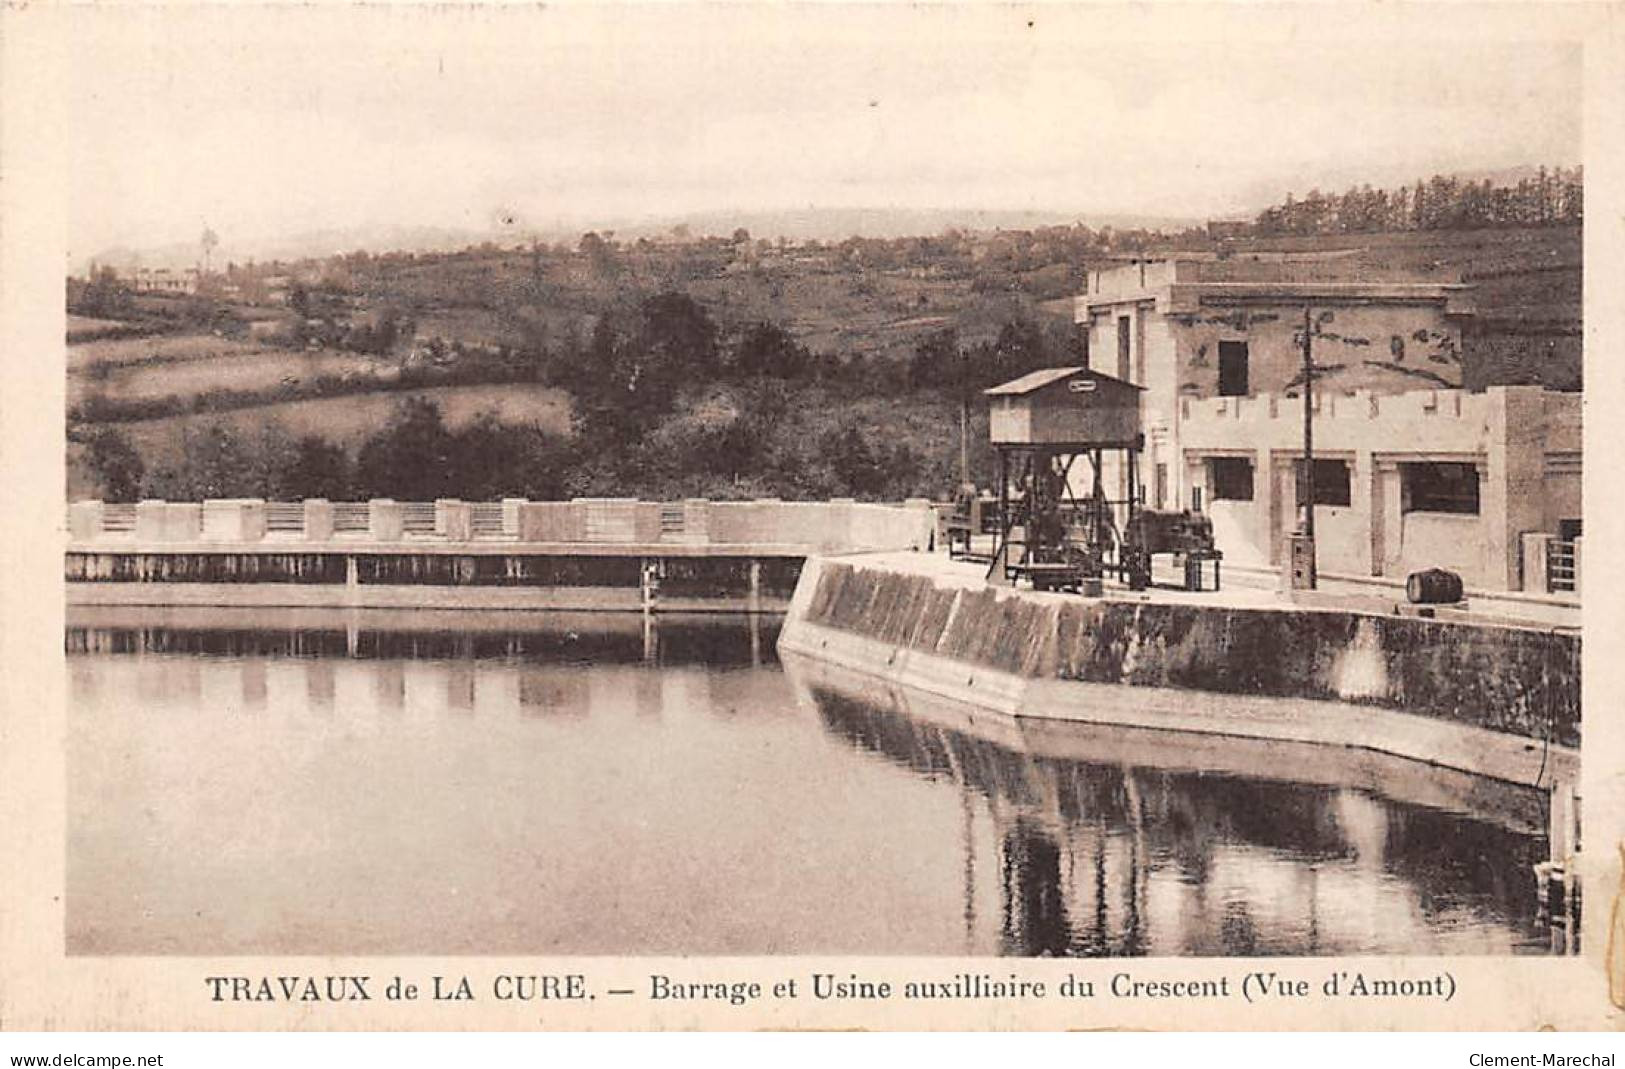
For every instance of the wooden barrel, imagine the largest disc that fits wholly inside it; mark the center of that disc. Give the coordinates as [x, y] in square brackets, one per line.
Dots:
[1435, 586]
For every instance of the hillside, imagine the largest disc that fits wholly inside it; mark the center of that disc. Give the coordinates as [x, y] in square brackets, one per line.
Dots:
[517, 331]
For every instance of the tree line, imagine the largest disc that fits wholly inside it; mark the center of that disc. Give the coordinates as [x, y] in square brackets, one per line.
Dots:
[1552, 197]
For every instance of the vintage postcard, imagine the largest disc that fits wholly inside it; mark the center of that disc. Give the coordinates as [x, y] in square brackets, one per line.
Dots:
[672, 516]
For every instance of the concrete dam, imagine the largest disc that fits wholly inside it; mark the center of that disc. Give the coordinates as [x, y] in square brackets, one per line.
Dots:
[1500, 701]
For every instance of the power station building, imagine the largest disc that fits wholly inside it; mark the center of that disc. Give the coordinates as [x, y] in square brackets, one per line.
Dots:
[1411, 470]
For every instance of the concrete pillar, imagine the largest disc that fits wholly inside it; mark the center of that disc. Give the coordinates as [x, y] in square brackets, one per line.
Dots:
[1511, 493]
[251, 520]
[1270, 501]
[1389, 518]
[85, 521]
[1364, 501]
[386, 520]
[755, 602]
[697, 519]
[1579, 569]
[510, 516]
[318, 519]
[646, 522]
[454, 520]
[1532, 554]
[149, 520]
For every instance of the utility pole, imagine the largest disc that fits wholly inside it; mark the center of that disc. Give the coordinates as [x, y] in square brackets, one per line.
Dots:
[964, 420]
[1303, 543]
[1308, 430]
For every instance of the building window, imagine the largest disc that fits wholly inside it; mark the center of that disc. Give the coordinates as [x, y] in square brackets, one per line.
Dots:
[1232, 369]
[1125, 343]
[1440, 487]
[1230, 478]
[1331, 482]
[1162, 485]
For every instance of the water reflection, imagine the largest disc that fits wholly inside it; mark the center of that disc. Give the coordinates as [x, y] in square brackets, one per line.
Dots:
[1122, 859]
[381, 782]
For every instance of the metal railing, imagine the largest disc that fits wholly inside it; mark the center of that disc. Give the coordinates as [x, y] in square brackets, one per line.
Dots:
[1562, 571]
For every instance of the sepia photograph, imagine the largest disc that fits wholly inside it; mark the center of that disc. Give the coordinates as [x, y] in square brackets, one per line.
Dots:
[960, 484]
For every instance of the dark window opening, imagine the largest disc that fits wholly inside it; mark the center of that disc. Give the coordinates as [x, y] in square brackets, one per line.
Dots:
[1230, 478]
[1440, 487]
[1331, 482]
[1124, 345]
[1232, 369]
[1568, 530]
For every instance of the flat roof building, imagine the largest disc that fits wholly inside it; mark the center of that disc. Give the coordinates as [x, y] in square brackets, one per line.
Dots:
[1411, 470]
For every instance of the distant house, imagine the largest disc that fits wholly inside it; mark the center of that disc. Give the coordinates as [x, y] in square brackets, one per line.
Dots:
[164, 280]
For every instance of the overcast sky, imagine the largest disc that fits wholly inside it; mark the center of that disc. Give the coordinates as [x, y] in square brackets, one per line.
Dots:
[266, 122]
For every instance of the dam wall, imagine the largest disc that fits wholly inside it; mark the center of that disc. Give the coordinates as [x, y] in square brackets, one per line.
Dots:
[1443, 691]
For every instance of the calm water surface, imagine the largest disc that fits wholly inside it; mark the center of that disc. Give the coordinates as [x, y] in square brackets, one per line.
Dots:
[313, 782]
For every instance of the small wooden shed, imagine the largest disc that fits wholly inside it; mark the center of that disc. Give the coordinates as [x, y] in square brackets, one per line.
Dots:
[1065, 406]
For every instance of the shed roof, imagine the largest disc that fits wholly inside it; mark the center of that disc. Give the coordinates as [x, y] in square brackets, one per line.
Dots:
[1037, 380]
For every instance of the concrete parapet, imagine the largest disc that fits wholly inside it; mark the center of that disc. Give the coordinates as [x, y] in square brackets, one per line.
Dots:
[550, 521]
[1532, 554]
[646, 522]
[149, 520]
[318, 519]
[837, 527]
[697, 519]
[454, 520]
[510, 516]
[251, 520]
[386, 519]
[85, 521]
[728, 521]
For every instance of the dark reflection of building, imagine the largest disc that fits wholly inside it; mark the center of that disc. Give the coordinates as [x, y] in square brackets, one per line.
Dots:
[1241, 865]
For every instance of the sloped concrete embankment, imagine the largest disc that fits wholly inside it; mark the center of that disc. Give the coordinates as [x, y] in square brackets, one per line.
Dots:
[1503, 701]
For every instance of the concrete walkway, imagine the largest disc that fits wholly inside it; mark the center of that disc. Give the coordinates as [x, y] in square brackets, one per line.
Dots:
[1252, 587]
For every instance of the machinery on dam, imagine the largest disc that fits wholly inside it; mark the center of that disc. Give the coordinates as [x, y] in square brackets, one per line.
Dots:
[1047, 532]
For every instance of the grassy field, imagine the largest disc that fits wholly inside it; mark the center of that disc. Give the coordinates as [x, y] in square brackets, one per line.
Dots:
[250, 368]
[161, 348]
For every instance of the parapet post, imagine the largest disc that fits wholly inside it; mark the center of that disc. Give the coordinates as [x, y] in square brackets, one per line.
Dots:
[149, 520]
[1532, 557]
[454, 519]
[318, 519]
[510, 516]
[85, 521]
[251, 520]
[386, 520]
